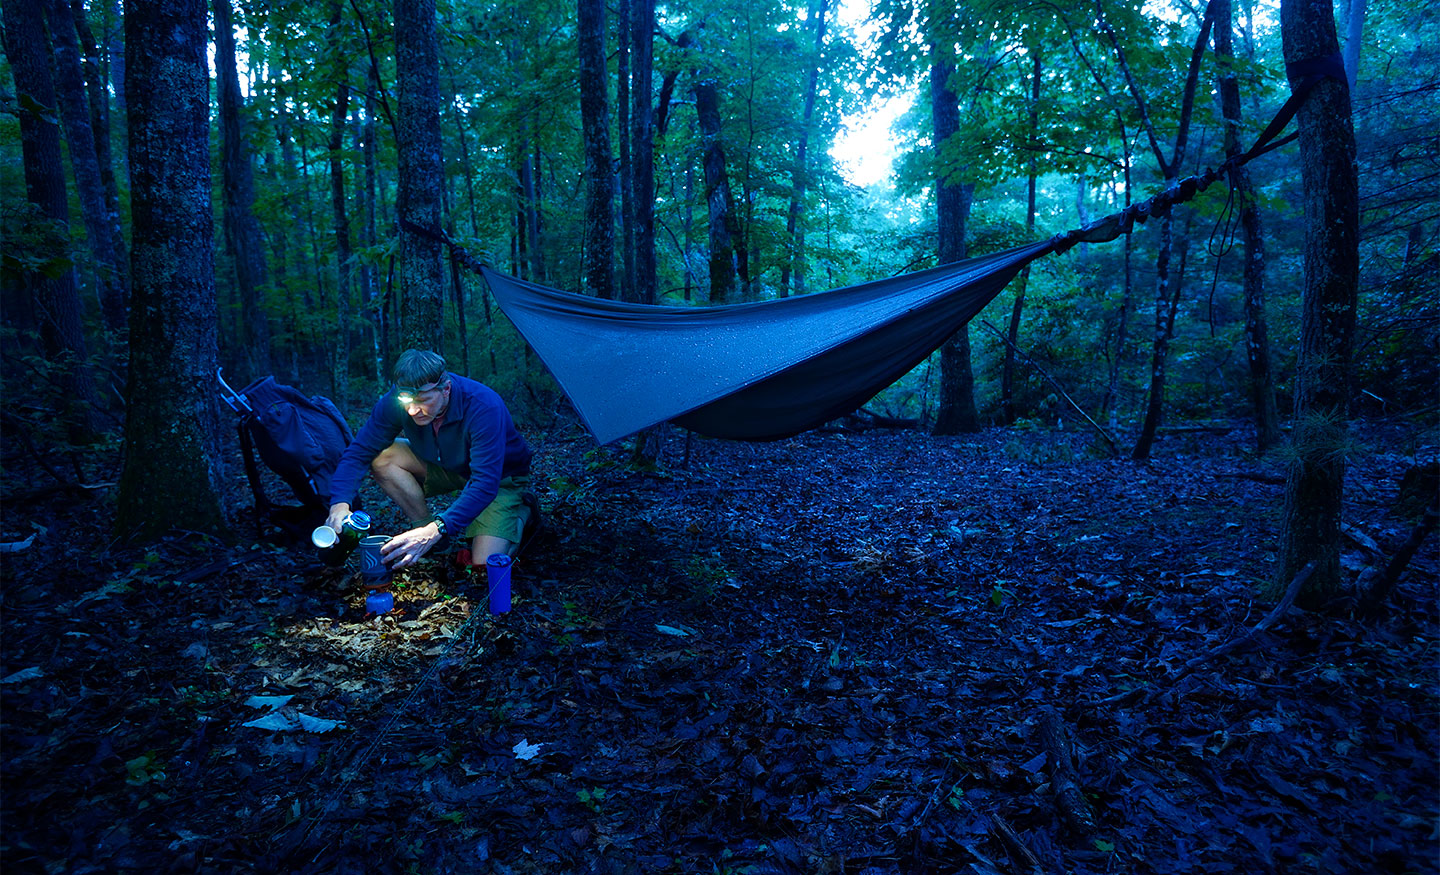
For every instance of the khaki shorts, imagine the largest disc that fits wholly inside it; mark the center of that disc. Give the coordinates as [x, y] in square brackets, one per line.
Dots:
[504, 517]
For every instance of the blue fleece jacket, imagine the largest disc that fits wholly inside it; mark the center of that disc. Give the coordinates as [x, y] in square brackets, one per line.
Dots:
[477, 440]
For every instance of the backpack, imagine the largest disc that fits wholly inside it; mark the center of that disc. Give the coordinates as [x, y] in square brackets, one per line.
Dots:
[300, 438]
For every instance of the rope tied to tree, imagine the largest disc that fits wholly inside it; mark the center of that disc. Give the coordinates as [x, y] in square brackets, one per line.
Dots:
[1303, 75]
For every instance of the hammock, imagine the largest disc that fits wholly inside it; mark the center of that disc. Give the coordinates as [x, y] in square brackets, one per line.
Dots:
[772, 369]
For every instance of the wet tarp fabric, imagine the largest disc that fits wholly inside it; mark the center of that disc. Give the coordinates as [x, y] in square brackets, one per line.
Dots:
[758, 371]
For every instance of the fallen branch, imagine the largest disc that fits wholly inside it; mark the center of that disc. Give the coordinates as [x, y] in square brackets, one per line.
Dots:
[1169, 681]
[1024, 858]
[1070, 800]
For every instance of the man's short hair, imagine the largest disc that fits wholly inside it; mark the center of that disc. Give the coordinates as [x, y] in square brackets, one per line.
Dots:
[419, 367]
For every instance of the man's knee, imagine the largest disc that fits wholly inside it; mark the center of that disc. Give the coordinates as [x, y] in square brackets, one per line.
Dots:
[395, 459]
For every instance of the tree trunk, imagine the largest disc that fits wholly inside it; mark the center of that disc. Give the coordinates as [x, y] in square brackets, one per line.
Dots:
[723, 280]
[642, 127]
[344, 255]
[100, 126]
[370, 293]
[1314, 487]
[957, 413]
[1257, 342]
[1007, 377]
[421, 166]
[52, 288]
[599, 243]
[101, 230]
[242, 231]
[1165, 293]
[623, 100]
[794, 263]
[172, 474]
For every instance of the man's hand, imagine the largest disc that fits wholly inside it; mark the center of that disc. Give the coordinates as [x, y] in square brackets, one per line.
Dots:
[406, 548]
[338, 513]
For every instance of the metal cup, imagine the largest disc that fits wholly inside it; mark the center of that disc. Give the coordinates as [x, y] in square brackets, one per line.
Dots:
[373, 569]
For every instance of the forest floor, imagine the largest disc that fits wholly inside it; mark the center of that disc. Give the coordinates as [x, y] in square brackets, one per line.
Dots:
[860, 652]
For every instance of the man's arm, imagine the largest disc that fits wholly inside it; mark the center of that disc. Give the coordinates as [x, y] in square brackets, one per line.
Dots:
[378, 433]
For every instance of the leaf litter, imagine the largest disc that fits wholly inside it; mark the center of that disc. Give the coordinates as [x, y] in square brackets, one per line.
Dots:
[830, 654]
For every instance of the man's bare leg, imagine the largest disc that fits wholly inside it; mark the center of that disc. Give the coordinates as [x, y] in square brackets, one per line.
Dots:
[401, 476]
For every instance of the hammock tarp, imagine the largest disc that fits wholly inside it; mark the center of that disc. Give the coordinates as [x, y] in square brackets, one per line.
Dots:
[769, 370]
[758, 371]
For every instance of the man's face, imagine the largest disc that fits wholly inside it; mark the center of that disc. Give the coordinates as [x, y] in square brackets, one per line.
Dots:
[424, 403]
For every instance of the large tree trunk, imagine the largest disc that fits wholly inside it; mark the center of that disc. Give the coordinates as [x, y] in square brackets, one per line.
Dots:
[599, 244]
[794, 263]
[52, 288]
[1257, 339]
[642, 153]
[422, 277]
[242, 230]
[101, 232]
[1314, 487]
[172, 474]
[956, 414]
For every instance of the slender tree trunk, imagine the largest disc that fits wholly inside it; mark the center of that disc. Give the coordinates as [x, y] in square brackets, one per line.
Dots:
[794, 263]
[371, 292]
[242, 231]
[1007, 377]
[422, 278]
[1257, 342]
[626, 171]
[1354, 32]
[101, 230]
[344, 253]
[1314, 487]
[956, 414]
[172, 474]
[95, 80]
[52, 287]
[599, 245]
[642, 127]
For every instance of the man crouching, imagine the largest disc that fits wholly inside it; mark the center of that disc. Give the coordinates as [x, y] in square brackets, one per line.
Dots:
[435, 433]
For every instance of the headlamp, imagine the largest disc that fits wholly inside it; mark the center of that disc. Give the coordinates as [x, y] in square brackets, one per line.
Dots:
[407, 395]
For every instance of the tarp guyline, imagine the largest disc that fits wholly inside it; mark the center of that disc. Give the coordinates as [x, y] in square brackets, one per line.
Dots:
[772, 369]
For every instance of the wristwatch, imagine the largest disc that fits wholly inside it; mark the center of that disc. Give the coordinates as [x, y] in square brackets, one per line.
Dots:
[440, 525]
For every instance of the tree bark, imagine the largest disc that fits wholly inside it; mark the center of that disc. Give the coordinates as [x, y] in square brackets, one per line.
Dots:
[1257, 335]
[723, 279]
[626, 176]
[1314, 488]
[1032, 173]
[642, 152]
[52, 289]
[242, 231]
[956, 413]
[340, 221]
[599, 243]
[794, 263]
[421, 166]
[172, 473]
[101, 230]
